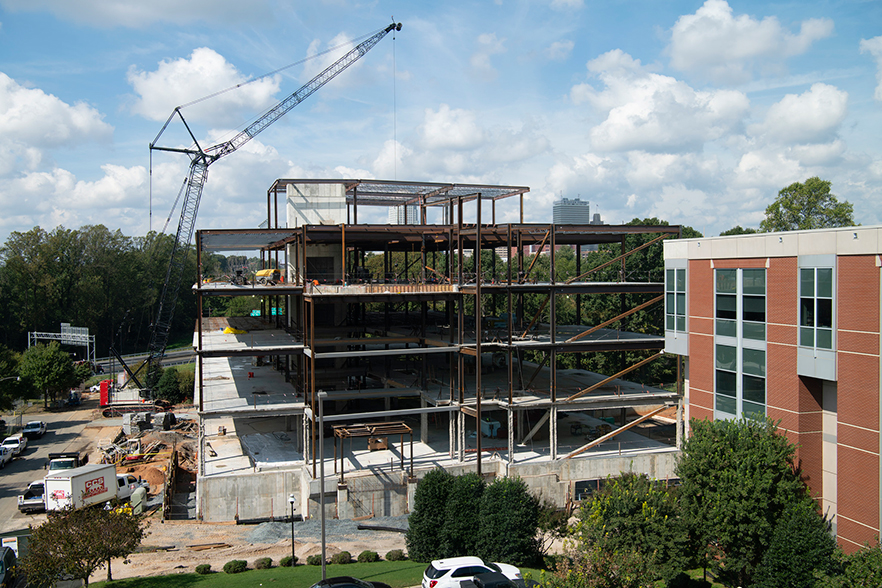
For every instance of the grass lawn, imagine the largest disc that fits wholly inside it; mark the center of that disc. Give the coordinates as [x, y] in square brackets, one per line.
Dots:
[398, 574]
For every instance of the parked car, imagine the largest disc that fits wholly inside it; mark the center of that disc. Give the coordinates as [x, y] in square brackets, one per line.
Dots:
[16, 443]
[348, 582]
[5, 456]
[8, 567]
[34, 429]
[448, 573]
[489, 580]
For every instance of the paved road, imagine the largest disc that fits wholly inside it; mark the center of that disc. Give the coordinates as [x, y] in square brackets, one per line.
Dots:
[63, 434]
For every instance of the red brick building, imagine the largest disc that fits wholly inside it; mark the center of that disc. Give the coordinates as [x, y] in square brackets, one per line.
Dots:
[788, 325]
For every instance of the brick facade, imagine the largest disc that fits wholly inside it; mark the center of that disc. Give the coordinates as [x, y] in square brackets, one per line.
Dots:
[798, 401]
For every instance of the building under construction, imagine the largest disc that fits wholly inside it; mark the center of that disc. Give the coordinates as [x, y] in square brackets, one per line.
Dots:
[381, 353]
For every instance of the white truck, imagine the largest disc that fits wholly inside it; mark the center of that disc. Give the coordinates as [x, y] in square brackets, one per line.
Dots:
[80, 487]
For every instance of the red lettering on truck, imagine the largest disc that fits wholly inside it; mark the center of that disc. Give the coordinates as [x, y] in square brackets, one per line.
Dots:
[95, 487]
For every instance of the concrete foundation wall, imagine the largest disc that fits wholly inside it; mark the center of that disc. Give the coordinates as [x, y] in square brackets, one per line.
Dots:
[260, 495]
[264, 495]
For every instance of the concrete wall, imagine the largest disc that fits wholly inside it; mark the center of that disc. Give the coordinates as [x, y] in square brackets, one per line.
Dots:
[260, 495]
[264, 495]
[316, 204]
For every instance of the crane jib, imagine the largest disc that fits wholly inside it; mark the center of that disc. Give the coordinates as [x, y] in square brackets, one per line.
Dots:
[199, 175]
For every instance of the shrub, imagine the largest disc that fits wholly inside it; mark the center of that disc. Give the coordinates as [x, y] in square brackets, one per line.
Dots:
[203, 569]
[508, 524]
[427, 518]
[459, 533]
[344, 557]
[288, 561]
[235, 566]
[396, 555]
[314, 560]
[263, 563]
[368, 556]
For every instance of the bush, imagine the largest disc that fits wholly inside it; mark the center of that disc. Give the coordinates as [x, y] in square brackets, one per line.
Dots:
[235, 566]
[344, 557]
[508, 524]
[263, 563]
[288, 561]
[396, 555]
[459, 534]
[428, 516]
[368, 556]
[314, 560]
[203, 569]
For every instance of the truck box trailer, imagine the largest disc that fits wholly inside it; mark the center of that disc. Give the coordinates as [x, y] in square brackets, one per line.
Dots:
[80, 487]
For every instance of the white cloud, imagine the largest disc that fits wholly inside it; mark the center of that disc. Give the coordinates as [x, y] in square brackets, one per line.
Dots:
[653, 112]
[811, 117]
[178, 82]
[488, 46]
[874, 47]
[449, 128]
[819, 154]
[559, 50]
[33, 121]
[727, 48]
[766, 168]
[104, 13]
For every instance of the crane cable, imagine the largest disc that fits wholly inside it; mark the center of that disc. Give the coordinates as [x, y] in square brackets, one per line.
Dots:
[231, 88]
[281, 69]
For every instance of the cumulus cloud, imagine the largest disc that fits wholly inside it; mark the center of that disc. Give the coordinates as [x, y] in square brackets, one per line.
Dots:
[102, 13]
[180, 81]
[653, 112]
[874, 47]
[488, 46]
[727, 48]
[449, 128]
[31, 118]
[559, 50]
[811, 117]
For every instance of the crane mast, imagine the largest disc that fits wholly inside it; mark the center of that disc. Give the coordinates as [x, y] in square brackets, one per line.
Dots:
[201, 159]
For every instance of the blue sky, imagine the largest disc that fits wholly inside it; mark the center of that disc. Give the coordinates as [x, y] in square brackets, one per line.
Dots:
[694, 112]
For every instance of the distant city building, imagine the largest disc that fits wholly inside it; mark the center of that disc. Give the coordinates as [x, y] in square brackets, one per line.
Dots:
[407, 214]
[568, 211]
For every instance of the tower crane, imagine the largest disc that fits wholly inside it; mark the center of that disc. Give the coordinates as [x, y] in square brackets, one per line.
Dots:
[200, 160]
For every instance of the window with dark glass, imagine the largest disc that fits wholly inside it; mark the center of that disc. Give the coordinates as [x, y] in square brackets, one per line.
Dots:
[675, 299]
[816, 307]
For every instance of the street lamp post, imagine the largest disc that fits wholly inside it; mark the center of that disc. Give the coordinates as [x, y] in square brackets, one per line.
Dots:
[292, 498]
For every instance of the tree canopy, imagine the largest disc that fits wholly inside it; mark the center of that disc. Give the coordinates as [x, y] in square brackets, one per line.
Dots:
[809, 205]
[75, 543]
[737, 480]
[49, 369]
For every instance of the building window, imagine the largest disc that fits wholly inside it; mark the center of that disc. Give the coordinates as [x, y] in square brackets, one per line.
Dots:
[675, 300]
[740, 356]
[816, 307]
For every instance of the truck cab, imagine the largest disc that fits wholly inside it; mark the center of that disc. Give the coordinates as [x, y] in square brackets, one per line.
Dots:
[126, 484]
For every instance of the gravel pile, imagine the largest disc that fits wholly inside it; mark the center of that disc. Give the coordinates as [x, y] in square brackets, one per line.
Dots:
[335, 530]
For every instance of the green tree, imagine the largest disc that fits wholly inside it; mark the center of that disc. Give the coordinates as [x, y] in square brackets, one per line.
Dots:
[739, 230]
[737, 480]
[76, 543]
[11, 386]
[427, 518]
[634, 513]
[801, 546]
[594, 567]
[49, 369]
[861, 569]
[807, 206]
[459, 534]
[509, 522]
